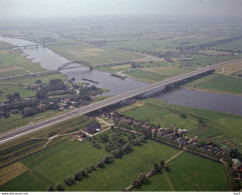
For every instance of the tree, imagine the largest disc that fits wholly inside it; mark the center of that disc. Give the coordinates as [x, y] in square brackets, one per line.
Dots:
[9, 97]
[135, 183]
[16, 95]
[93, 168]
[37, 82]
[100, 164]
[41, 94]
[156, 167]
[141, 179]
[59, 187]
[112, 127]
[107, 159]
[83, 173]
[50, 188]
[78, 176]
[162, 163]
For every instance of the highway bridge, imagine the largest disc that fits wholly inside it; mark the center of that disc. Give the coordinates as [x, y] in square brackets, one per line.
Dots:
[107, 102]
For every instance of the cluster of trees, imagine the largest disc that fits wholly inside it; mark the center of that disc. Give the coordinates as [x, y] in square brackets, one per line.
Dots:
[94, 142]
[135, 64]
[140, 180]
[234, 153]
[13, 96]
[56, 84]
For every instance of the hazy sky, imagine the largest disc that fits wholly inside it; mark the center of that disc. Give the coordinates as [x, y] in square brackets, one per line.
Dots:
[58, 8]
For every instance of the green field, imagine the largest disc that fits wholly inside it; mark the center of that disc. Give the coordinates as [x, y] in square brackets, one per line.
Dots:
[93, 55]
[222, 128]
[202, 60]
[189, 172]
[72, 156]
[11, 58]
[10, 89]
[145, 76]
[219, 83]
[20, 85]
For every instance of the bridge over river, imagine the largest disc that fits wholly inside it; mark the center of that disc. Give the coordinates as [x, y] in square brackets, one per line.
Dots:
[107, 102]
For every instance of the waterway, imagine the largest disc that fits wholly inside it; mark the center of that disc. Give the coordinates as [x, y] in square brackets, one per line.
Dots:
[180, 96]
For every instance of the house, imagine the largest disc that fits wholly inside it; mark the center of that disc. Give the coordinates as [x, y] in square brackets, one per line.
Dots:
[83, 135]
[237, 166]
[146, 127]
[41, 106]
[14, 111]
[92, 128]
[136, 123]
[27, 109]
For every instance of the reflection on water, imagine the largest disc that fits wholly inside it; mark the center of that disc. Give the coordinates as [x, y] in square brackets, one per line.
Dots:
[105, 80]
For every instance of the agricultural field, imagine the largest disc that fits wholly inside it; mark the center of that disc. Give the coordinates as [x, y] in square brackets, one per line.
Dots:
[221, 128]
[218, 83]
[155, 74]
[41, 173]
[230, 68]
[93, 55]
[234, 46]
[10, 89]
[202, 60]
[20, 85]
[188, 172]
[10, 58]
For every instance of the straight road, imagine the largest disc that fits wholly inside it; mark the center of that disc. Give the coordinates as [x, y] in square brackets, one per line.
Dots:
[5, 137]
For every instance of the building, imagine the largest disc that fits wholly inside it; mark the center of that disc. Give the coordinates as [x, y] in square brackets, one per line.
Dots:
[92, 128]
[14, 111]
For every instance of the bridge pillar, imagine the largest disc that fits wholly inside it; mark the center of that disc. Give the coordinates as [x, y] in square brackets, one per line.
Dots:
[170, 86]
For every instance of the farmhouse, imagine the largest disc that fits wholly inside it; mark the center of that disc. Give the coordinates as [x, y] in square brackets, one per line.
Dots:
[92, 128]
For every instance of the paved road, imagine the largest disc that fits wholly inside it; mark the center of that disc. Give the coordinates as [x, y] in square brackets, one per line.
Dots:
[104, 103]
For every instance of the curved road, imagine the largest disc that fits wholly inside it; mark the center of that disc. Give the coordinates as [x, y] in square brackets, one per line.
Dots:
[5, 137]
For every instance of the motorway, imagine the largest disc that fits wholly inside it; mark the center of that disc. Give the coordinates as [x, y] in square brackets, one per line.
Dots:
[5, 137]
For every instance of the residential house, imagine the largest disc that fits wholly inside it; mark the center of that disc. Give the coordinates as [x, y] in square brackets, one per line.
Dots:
[92, 128]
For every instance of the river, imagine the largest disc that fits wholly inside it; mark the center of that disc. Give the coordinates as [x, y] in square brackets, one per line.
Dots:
[180, 96]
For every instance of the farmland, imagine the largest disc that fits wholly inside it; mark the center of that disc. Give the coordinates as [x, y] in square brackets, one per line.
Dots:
[208, 176]
[94, 55]
[218, 83]
[42, 173]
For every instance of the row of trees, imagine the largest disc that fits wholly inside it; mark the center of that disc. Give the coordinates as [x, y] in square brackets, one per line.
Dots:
[79, 175]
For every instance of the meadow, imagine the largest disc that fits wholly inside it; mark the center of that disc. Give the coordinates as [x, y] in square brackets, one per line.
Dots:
[218, 83]
[13, 58]
[221, 128]
[188, 172]
[93, 55]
